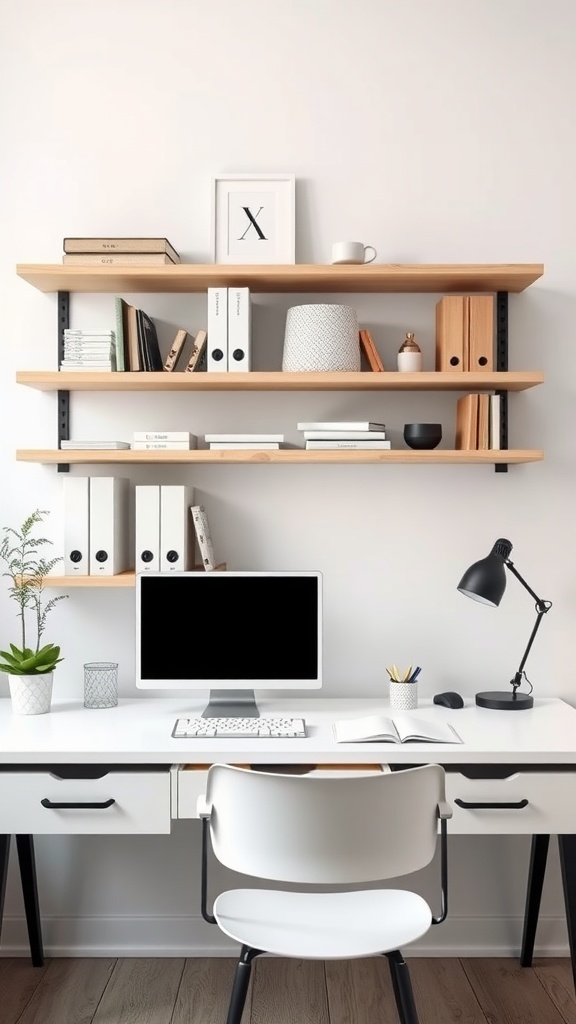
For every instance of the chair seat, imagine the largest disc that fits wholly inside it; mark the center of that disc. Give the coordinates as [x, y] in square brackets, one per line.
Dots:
[323, 926]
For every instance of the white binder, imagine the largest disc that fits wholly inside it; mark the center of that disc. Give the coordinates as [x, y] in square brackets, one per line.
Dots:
[76, 525]
[239, 329]
[108, 525]
[176, 549]
[217, 329]
[147, 527]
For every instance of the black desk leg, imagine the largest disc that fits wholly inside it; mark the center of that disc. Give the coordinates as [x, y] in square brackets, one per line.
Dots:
[4, 855]
[536, 871]
[567, 848]
[25, 847]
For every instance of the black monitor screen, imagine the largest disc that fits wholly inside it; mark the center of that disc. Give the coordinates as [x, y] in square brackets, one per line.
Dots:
[226, 628]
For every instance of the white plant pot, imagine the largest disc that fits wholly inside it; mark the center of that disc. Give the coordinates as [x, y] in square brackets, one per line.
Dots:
[403, 696]
[31, 695]
[321, 337]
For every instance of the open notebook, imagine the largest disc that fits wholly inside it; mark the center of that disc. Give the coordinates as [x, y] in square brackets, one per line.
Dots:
[402, 728]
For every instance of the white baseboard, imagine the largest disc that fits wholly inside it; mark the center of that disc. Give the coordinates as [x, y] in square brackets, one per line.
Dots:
[192, 937]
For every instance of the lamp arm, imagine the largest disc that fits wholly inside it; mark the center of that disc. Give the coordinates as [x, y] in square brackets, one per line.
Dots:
[541, 607]
[539, 602]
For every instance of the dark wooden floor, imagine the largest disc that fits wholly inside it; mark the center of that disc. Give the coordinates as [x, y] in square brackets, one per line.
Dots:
[195, 991]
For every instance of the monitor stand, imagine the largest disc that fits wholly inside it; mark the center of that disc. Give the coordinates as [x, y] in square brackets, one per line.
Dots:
[231, 704]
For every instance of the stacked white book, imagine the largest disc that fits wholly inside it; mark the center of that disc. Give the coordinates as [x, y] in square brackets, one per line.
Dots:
[89, 350]
[363, 434]
[163, 441]
[256, 442]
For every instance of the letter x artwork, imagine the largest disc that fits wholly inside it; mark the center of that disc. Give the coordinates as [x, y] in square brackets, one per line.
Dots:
[254, 220]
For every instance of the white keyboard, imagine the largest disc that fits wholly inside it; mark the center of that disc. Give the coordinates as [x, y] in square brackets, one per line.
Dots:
[237, 728]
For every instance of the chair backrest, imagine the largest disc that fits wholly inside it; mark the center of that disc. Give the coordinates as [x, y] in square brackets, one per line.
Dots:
[295, 828]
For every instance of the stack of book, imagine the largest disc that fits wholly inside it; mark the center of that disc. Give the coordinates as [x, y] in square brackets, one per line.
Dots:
[231, 442]
[478, 422]
[163, 441]
[89, 350]
[355, 435]
[103, 252]
[137, 345]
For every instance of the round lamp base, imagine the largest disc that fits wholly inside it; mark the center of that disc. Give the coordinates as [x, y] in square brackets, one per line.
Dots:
[501, 700]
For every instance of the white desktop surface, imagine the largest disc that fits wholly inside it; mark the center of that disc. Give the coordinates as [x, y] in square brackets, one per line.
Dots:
[138, 731]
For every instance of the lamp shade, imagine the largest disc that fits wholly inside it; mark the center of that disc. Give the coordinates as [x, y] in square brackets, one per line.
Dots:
[485, 581]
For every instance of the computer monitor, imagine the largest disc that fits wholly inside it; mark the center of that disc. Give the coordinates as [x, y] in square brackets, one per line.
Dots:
[229, 633]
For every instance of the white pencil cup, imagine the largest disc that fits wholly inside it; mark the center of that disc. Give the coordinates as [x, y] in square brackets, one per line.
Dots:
[403, 696]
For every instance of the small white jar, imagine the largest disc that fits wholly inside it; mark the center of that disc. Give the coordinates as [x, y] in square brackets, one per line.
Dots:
[409, 355]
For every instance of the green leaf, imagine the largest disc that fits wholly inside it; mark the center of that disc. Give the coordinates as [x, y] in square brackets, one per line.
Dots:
[9, 658]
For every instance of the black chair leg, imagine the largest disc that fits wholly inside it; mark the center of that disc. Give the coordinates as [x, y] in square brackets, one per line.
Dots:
[402, 987]
[4, 855]
[25, 847]
[241, 982]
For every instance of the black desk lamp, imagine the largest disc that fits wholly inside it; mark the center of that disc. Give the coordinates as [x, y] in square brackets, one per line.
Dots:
[485, 581]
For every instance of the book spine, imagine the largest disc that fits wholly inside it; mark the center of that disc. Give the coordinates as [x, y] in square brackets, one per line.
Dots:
[217, 323]
[239, 323]
[162, 435]
[175, 350]
[236, 438]
[197, 355]
[495, 419]
[162, 446]
[93, 259]
[356, 445]
[371, 352]
[203, 536]
[481, 332]
[452, 333]
[230, 446]
[119, 334]
[344, 435]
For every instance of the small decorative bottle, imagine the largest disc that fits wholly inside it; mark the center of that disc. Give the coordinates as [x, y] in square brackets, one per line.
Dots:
[409, 354]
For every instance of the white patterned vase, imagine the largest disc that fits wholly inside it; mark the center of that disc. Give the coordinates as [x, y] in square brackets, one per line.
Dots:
[31, 695]
[403, 696]
[321, 337]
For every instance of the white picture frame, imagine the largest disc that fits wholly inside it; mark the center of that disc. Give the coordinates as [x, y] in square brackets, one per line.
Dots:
[253, 219]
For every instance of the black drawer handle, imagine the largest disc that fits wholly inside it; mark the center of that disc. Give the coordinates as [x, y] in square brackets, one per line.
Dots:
[78, 806]
[491, 805]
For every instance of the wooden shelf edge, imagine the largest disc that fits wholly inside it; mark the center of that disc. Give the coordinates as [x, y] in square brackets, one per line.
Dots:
[296, 456]
[122, 579]
[53, 380]
[376, 277]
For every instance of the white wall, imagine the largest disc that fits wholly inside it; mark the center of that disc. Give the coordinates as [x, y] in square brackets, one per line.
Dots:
[436, 132]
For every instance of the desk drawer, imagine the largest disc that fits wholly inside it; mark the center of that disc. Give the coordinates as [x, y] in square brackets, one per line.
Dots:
[118, 803]
[541, 802]
[189, 782]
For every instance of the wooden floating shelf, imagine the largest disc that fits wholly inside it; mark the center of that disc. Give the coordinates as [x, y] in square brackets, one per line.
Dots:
[277, 381]
[299, 277]
[282, 455]
[122, 579]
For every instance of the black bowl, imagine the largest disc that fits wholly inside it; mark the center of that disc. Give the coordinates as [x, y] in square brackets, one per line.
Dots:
[422, 435]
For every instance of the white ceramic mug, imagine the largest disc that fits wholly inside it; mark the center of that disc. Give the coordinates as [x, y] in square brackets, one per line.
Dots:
[352, 252]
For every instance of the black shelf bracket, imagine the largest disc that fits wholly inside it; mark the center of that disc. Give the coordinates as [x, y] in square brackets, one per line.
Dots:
[502, 366]
[63, 396]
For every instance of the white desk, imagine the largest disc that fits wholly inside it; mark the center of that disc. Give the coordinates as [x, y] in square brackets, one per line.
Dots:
[120, 771]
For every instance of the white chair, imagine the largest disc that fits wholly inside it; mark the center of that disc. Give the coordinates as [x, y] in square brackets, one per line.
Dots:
[340, 831]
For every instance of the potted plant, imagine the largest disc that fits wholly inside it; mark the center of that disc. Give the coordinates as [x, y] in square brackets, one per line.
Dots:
[30, 666]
